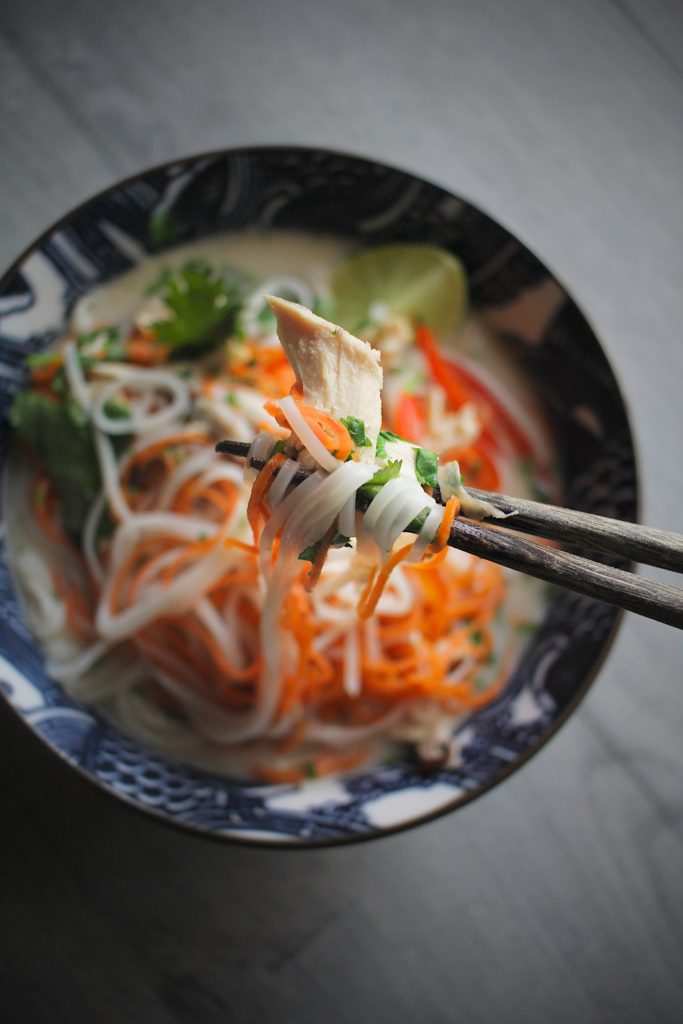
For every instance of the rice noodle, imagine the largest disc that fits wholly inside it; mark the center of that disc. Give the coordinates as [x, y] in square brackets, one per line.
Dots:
[427, 533]
[260, 449]
[311, 443]
[110, 476]
[140, 422]
[278, 488]
[89, 539]
[75, 378]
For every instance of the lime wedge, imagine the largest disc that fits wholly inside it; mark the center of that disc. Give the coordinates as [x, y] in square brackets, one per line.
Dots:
[419, 281]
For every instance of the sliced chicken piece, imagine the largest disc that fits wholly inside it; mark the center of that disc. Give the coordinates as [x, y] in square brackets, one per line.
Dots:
[338, 373]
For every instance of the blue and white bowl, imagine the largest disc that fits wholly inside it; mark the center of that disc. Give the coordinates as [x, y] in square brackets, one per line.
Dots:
[318, 190]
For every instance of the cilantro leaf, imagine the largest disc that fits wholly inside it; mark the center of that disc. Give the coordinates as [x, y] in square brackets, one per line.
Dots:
[381, 477]
[116, 410]
[201, 303]
[60, 434]
[426, 467]
[384, 436]
[310, 554]
[279, 448]
[44, 358]
[109, 335]
[418, 522]
[356, 429]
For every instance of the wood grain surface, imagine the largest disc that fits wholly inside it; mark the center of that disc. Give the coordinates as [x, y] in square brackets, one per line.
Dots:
[557, 897]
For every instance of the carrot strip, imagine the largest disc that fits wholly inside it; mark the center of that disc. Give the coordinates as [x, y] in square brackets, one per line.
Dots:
[258, 493]
[442, 534]
[369, 600]
[43, 375]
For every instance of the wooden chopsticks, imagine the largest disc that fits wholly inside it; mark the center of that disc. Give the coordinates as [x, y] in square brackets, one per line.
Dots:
[594, 579]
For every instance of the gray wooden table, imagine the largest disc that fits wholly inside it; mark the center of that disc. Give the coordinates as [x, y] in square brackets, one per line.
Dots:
[559, 896]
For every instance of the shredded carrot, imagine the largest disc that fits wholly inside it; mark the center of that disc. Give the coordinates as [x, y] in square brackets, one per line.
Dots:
[329, 431]
[442, 534]
[45, 373]
[332, 434]
[279, 776]
[141, 348]
[258, 493]
[369, 600]
[156, 448]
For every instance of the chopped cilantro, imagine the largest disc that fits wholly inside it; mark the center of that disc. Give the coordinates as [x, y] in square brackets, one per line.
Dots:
[426, 467]
[310, 554]
[201, 304]
[426, 461]
[381, 477]
[109, 336]
[116, 410]
[310, 770]
[356, 429]
[43, 358]
[477, 637]
[418, 522]
[279, 447]
[232, 399]
[60, 434]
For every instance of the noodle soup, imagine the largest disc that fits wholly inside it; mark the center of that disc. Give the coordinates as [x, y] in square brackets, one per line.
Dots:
[132, 541]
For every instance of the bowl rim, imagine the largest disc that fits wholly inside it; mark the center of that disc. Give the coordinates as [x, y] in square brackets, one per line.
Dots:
[235, 838]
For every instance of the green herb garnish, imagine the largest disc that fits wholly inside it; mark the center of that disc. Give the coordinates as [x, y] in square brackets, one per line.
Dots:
[356, 429]
[201, 303]
[310, 553]
[43, 358]
[60, 434]
[381, 477]
[426, 467]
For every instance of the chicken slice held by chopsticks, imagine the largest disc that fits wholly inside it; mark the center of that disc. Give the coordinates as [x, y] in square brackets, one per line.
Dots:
[338, 373]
